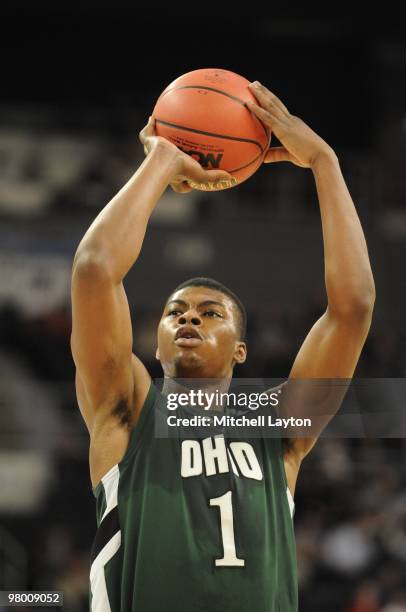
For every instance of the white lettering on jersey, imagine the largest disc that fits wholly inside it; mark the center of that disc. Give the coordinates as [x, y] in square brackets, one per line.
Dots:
[191, 459]
[214, 449]
[218, 459]
[246, 460]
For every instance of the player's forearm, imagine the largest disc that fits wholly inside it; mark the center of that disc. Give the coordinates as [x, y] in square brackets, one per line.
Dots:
[348, 275]
[115, 237]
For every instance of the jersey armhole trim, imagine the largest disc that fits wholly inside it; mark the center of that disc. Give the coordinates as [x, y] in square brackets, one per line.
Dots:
[103, 481]
[290, 498]
[291, 502]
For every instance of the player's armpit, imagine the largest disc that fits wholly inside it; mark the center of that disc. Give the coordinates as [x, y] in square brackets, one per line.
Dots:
[110, 427]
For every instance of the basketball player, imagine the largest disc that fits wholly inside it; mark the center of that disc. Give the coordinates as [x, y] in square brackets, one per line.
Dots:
[200, 525]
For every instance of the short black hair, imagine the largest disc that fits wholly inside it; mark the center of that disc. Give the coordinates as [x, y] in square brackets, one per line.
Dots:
[211, 283]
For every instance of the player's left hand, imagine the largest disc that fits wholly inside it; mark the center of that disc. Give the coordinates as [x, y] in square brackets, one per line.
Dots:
[186, 169]
[301, 145]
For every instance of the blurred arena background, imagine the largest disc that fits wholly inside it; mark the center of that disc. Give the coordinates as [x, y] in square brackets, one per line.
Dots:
[78, 83]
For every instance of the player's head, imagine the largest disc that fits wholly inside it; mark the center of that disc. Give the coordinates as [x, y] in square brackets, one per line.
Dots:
[202, 329]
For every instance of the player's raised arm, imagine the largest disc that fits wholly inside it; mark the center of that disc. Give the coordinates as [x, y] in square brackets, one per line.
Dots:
[333, 346]
[107, 374]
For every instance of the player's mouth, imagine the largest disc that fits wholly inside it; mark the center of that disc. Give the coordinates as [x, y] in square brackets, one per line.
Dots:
[188, 336]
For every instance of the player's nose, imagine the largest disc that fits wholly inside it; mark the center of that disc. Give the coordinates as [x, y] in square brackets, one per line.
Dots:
[191, 317]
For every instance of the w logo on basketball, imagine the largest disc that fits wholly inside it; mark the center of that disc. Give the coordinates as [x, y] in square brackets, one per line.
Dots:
[205, 160]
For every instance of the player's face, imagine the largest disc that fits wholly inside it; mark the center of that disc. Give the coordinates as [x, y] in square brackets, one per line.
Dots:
[198, 334]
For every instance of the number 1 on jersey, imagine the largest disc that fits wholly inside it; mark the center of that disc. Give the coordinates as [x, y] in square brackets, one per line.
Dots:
[230, 558]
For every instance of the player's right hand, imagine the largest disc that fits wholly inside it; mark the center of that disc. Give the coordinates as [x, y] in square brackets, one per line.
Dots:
[185, 167]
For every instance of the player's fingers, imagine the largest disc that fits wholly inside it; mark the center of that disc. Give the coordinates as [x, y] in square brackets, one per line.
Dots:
[216, 176]
[198, 175]
[142, 136]
[181, 187]
[277, 154]
[267, 116]
[151, 125]
[148, 130]
[267, 97]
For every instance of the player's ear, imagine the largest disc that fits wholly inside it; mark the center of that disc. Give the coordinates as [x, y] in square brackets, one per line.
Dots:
[157, 354]
[240, 353]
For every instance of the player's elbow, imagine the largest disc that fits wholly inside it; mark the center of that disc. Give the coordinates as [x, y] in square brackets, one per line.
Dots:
[90, 265]
[362, 303]
[355, 308]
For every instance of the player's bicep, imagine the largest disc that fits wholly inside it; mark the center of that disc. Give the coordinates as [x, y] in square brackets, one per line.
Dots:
[101, 338]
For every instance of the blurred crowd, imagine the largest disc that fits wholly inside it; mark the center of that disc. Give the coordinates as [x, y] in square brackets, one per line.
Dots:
[350, 526]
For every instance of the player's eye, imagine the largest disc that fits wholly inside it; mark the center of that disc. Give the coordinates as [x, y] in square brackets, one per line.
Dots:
[174, 312]
[212, 314]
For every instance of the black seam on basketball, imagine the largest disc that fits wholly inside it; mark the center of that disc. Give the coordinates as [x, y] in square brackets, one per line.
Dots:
[263, 127]
[186, 129]
[223, 93]
[107, 529]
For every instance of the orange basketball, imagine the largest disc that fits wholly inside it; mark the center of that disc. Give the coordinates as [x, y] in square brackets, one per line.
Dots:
[203, 113]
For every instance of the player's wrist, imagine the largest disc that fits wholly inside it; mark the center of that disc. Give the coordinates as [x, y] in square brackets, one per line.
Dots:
[325, 157]
[167, 159]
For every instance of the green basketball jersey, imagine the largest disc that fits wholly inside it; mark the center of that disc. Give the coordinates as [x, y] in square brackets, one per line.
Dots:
[194, 525]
